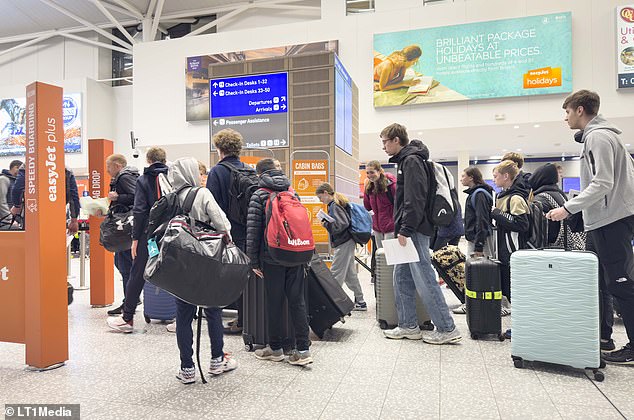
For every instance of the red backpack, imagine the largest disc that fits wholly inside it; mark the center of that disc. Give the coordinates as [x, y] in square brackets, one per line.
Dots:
[288, 233]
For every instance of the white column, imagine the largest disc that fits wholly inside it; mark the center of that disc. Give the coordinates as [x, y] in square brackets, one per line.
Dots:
[463, 163]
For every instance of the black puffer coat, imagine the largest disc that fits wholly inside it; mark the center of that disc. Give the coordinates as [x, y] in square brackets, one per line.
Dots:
[273, 180]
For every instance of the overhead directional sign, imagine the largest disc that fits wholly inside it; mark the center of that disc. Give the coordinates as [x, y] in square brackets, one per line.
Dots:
[256, 106]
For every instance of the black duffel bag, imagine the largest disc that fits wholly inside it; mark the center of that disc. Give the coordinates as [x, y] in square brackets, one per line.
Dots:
[116, 230]
[197, 264]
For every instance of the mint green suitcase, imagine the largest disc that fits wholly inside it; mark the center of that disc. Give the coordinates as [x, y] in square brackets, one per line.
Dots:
[555, 300]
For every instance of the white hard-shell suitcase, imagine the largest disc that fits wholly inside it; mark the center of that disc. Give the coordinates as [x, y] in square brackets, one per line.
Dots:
[555, 297]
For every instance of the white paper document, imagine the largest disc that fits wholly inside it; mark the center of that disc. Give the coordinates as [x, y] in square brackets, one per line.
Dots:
[322, 215]
[93, 206]
[397, 254]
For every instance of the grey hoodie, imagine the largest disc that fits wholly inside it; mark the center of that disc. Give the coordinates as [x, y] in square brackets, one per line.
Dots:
[185, 171]
[607, 177]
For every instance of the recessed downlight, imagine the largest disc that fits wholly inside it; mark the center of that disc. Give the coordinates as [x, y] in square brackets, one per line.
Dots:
[536, 125]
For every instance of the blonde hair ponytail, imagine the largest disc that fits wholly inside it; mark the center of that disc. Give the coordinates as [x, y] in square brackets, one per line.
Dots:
[339, 198]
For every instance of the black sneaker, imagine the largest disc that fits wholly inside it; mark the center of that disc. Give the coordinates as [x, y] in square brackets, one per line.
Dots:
[360, 306]
[116, 311]
[607, 345]
[625, 356]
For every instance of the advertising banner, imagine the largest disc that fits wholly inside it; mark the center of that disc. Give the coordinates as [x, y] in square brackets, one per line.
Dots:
[494, 59]
[13, 129]
[625, 46]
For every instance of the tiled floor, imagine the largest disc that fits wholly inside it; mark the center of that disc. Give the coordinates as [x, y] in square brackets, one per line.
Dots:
[357, 374]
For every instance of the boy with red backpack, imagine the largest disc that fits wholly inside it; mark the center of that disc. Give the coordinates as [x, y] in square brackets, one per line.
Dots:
[279, 244]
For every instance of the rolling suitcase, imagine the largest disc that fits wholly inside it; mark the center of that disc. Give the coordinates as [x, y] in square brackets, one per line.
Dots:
[384, 292]
[449, 263]
[556, 309]
[255, 320]
[483, 297]
[158, 304]
[327, 302]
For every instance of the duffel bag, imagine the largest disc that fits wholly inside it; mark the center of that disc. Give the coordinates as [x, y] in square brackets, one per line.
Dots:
[197, 265]
[115, 232]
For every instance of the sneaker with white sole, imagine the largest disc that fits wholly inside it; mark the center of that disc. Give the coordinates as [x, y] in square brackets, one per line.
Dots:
[300, 358]
[625, 356]
[269, 354]
[186, 375]
[462, 309]
[440, 337]
[171, 327]
[223, 364]
[505, 311]
[121, 325]
[399, 333]
[360, 306]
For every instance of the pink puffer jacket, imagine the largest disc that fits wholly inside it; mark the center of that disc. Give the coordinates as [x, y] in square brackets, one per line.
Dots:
[383, 208]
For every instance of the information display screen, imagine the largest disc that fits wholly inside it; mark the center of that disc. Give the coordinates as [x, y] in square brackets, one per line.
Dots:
[343, 108]
[573, 183]
[256, 106]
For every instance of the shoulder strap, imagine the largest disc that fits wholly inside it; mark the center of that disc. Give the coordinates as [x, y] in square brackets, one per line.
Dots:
[389, 194]
[189, 200]
[228, 166]
[199, 323]
[473, 195]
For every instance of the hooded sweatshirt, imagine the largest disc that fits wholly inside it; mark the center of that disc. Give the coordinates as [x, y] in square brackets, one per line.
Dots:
[544, 183]
[512, 218]
[607, 177]
[412, 189]
[6, 182]
[145, 196]
[124, 184]
[382, 206]
[257, 251]
[477, 217]
[184, 172]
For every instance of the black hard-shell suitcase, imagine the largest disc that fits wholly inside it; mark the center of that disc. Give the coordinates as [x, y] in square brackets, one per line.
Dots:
[449, 264]
[327, 301]
[254, 329]
[483, 294]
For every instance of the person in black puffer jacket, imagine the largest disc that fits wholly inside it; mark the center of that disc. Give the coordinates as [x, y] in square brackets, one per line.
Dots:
[478, 224]
[279, 281]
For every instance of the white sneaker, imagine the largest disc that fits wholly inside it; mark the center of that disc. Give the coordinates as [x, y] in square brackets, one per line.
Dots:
[400, 333]
[171, 327]
[186, 376]
[118, 324]
[438, 337]
[462, 309]
[221, 365]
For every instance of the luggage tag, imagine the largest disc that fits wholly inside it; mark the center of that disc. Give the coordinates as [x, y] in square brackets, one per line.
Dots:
[152, 248]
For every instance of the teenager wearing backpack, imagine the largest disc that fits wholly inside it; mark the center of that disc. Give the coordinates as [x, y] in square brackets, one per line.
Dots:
[378, 197]
[7, 179]
[147, 193]
[228, 144]
[280, 280]
[185, 175]
[343, 266]
[511, 215]
[412, 223]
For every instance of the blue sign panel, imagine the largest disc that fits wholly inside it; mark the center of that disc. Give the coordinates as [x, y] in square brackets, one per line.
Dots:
[256, 106]
[249, 95]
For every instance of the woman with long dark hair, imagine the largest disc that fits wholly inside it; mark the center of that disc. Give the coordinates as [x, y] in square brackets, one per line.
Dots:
[378, 197]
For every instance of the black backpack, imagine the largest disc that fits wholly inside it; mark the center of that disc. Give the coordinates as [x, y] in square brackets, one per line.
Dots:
[538, 224]
[244, 182]
[166, 208]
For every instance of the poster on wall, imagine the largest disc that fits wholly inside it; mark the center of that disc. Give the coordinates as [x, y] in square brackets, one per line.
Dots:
[503, 58]
[197, 71]
[625, 46]
[13, 128]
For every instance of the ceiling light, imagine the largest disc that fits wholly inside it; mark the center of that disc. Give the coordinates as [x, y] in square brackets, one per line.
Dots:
[496, 157]
[493, 160]
[628, 145]
[519, 150]
[536, 125]
[516, 127]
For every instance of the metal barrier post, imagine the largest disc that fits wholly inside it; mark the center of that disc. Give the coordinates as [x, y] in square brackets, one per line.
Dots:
[82, 261]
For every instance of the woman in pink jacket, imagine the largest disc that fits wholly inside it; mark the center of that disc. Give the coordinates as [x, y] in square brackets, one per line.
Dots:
[380, 191]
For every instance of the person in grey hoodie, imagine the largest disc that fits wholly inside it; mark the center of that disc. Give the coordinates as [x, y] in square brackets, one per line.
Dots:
[185, 173]
[607, 204]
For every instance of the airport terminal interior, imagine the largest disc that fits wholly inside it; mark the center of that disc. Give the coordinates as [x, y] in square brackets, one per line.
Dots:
[313, 91]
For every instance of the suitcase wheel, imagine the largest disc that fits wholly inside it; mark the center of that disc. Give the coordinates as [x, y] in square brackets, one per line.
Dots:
[501, 337]
[147, 319]
[518, 362]
[249, 347]
[474, 336]
[598, 376]
[383, 324]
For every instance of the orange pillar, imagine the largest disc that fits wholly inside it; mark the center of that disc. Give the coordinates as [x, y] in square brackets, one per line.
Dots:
[46, 298]
[12, 252]
[101, 261]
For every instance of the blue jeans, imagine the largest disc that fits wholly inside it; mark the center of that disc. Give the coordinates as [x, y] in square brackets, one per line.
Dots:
[421, 277]
[185, 335]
